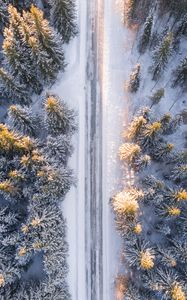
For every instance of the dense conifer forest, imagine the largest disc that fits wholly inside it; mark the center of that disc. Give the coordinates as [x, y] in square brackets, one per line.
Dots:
[150, 212]
[34, 149]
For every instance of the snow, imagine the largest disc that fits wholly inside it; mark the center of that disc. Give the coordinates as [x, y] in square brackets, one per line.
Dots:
[71, 87]
[117, 65]
[119, 56]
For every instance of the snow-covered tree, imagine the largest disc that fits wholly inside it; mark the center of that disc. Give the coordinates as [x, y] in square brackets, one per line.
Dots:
[162, 151]
[3, 14]
[58, 149]
[179, 249]
[150, 135]
[132, 292]
[128, 225]
[157, 96]
[22, 119]
[145, 38]
[170, 124]
[129, 11]
[63, 18]
[180, 74]
[129, 152]
[46, 46]
[142, 162]
[167, 282]
[180, 157]
[140, 255]
[18, 55]
[54, 184]
[162, 55]
[12, 89]
[135, 128]
[59, 119]
[179, 173]
[126, 202]
[134, 81]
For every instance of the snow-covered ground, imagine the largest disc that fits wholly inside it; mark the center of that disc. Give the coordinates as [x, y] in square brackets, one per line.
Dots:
[117, 63]
[114, 49]
[117, 56]
[71, 87]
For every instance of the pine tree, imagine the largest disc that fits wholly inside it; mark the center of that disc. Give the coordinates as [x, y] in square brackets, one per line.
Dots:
[169, 124]
[134, 82]
[22, 120]
[126, 202]
[54, 184]
[179, 32]
[162, 152]
[129, 152]
[145, 38]
[140, 255]
[179, 173]
[47, 47]
[180, 157]
[12, 89]
[59, 119]
[58, 149]
[180, 74]
[167, 257]
[128, 226]
[17, 53]
[161, 56]
[179, 248]
[157, 96]
[132, 292]
[168, 283]
[150, 135]
[8, 274]
[3, 15]
[142, 162]
[135, 128]
[168, 211]
[129, 12]
[63, 18]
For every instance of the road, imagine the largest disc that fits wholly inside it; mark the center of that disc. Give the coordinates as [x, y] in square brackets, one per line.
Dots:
[94, 115]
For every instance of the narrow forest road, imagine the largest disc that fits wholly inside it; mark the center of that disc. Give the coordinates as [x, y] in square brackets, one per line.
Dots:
[93, 199]
[108, 50]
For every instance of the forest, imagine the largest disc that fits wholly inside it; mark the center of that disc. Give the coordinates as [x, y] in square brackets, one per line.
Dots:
[151, 210]
[35, 145]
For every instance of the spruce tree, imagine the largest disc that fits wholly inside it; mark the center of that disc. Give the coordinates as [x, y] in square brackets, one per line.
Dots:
[150, 135]
[47, 47]
[179, 173]
[162, 151]
[129, 12]
[167, 282]
[157, 96]
[59, 119]
[161, 56]
[180, 74]
[134, 81]
[145, 38]
[12, 89]
[58, 149]
[139, 254]
[3, 15]
[142, 162]
[63, 18]
[17, 53]
[135, 128]
[22, 120]
[129, 152]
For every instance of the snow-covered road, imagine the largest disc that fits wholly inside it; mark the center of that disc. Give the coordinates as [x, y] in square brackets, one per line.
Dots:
[94, 82]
